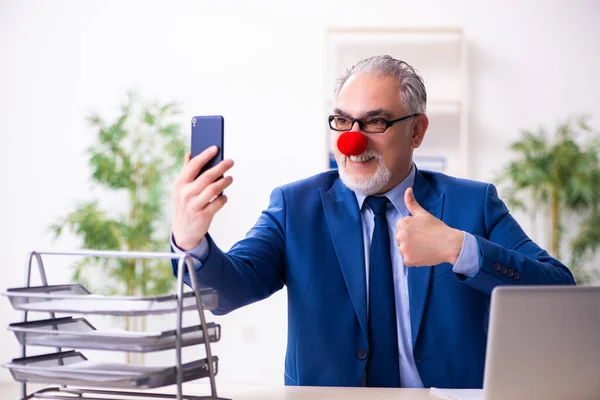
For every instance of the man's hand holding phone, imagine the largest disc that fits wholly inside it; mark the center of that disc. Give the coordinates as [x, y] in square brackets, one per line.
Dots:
[197, 199]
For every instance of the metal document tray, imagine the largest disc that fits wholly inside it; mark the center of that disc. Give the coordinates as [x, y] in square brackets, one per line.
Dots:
[78, 333]
[72, 368]
[74, 298]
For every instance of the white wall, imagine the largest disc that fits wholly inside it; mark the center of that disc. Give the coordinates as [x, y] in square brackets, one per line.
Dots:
[531, 63]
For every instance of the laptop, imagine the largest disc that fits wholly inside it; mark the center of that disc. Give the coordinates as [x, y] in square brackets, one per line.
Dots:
[543, 343]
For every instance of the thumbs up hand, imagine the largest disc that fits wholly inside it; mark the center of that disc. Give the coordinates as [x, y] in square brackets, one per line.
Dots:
[423, 239]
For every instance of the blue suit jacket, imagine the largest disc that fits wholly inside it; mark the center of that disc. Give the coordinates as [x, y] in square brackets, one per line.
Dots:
[310, 240]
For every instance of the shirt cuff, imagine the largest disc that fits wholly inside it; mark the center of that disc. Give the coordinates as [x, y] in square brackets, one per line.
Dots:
[467, 262]
[199, 253]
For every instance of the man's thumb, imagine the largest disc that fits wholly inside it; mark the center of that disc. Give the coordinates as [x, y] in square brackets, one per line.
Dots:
[411, 203]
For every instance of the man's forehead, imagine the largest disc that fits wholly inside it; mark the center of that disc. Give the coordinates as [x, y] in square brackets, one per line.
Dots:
[375, 112]
[358, 106]
[362, 93]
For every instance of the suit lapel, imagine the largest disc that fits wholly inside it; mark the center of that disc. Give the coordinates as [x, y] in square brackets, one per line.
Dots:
[419, 277]
[343, 217]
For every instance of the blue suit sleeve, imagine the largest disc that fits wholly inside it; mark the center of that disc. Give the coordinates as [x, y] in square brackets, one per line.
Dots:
[507, 256]
[467, 262]
[253, 269]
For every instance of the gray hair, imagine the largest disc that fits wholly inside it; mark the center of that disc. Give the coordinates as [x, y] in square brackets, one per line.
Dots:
[410, 82]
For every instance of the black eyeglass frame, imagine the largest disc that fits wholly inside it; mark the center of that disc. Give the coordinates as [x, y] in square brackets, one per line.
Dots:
[361, 122]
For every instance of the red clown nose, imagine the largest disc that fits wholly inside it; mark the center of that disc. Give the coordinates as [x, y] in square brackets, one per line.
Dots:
[352, 143]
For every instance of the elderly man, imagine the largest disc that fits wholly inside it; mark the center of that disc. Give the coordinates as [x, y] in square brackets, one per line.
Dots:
[388, 269]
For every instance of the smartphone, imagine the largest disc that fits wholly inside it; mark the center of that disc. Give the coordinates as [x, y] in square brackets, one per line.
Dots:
[207, 131]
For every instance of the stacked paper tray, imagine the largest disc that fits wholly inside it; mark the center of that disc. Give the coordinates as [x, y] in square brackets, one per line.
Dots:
[74, 298]
[72, 368]
[78, 333]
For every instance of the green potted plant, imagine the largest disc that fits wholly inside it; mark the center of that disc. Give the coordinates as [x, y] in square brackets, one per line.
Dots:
[134, 158]
[560, 174]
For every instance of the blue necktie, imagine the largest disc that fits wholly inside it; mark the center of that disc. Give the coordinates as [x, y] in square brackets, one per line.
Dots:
[382, 366]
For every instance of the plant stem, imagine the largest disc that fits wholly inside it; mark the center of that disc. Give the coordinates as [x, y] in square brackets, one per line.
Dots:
[144, 325]
[128, 328]
[555, 220]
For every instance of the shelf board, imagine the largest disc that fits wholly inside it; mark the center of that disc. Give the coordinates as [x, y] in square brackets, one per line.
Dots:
[445, 107]
[451, 36]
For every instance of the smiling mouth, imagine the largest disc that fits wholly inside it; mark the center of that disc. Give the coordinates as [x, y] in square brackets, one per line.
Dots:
[361, 158]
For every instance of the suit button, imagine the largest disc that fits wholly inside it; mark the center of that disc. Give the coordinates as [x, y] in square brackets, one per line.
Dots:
[510, 273]
[517, 276]
[496, 267]
[361, 354]
[503, 270]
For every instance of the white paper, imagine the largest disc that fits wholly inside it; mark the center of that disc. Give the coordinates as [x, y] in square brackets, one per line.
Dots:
[458, 394]
[103, 339]
[90, 371]
[110, 368]
[89, 305]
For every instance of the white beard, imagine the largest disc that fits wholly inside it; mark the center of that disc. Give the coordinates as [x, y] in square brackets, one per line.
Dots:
[366, 185]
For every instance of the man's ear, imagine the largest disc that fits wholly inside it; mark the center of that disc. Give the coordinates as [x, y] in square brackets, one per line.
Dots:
[419, 127]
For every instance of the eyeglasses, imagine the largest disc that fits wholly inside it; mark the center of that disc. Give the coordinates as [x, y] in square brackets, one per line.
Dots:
[366, 125]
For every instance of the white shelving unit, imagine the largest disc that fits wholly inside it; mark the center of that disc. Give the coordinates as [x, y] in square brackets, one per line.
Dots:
[440, 55]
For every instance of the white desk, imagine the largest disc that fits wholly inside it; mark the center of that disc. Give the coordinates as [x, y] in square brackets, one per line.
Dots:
[259, 392]
[11, 390]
